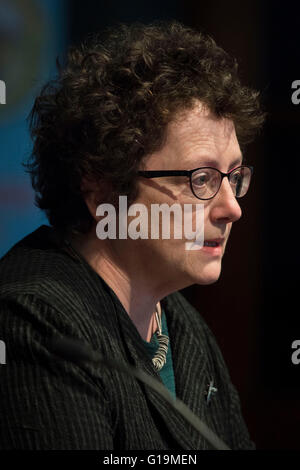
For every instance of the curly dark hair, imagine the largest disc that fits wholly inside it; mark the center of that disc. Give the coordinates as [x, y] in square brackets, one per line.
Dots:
[110, 104]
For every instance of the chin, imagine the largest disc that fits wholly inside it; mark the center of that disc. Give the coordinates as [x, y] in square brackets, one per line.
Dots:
[207, 282]
[207, 275]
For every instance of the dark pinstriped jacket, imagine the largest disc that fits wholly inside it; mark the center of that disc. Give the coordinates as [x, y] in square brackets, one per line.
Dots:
[51, 403]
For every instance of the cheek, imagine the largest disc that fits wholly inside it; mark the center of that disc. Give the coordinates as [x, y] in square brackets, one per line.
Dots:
[229, 226]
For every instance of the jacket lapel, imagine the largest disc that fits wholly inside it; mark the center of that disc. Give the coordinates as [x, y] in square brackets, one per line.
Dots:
[188, 368]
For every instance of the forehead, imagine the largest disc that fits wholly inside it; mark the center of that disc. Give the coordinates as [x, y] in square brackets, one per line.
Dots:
[197, 137]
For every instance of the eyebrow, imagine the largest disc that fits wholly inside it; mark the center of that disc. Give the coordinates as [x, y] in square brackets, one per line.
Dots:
[212, 161]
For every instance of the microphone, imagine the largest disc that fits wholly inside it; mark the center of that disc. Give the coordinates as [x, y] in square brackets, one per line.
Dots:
[78, 352]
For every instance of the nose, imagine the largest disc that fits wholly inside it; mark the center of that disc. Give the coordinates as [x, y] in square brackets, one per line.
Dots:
[225, 207]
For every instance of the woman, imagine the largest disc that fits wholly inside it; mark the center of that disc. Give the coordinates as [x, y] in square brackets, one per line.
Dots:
[143, 99]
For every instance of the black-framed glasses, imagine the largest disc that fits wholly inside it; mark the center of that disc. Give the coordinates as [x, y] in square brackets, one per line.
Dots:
[206, 181]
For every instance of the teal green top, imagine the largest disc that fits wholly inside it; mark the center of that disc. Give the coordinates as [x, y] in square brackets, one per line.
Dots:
[166, 373]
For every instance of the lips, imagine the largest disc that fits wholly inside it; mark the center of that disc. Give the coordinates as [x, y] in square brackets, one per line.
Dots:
[213, 242]
[212, 247]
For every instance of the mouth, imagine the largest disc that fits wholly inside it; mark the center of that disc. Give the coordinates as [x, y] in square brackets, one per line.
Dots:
[213, 246]
[214, 242]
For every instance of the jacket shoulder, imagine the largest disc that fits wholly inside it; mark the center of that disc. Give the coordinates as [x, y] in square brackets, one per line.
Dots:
[45, 286]
[37, 265]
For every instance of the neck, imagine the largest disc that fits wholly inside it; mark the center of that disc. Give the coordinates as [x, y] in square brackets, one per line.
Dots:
[126, 276]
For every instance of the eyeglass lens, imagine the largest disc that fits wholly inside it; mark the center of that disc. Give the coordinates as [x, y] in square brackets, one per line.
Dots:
[206, 181]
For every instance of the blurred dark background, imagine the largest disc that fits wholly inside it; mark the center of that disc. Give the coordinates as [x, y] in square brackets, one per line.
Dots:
[252, 309]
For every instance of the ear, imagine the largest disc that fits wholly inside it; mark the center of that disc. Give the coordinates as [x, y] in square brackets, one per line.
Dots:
[94, 193]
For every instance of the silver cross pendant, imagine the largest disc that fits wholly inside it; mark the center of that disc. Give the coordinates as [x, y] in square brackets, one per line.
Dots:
[210, 392]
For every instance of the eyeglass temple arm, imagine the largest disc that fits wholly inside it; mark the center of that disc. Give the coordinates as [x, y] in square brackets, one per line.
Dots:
[159, 173]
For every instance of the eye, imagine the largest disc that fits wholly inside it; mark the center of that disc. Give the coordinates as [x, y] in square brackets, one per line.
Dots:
[202, 178]
[236, 177]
